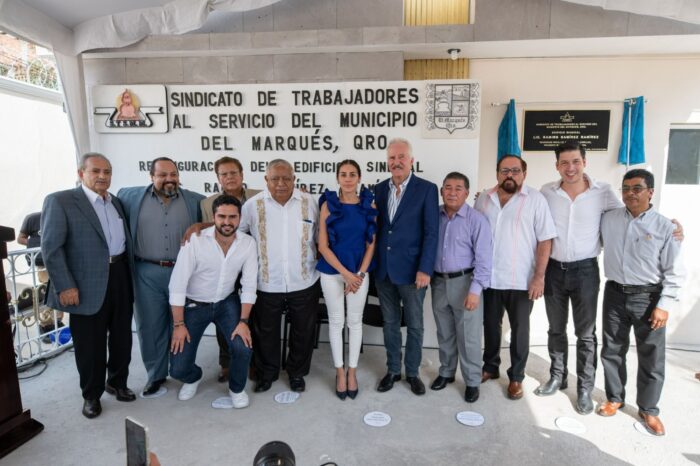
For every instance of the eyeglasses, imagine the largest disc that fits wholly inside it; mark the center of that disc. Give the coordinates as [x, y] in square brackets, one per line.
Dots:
[508, 171]
[231, 173]
[636, 189]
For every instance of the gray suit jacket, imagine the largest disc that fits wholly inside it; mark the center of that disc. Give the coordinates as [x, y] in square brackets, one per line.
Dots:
[75, 250]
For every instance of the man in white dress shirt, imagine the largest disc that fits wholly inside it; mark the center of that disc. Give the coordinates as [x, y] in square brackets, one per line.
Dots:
[577, 203]
[523, 230]
[202, 292]
[284, 223]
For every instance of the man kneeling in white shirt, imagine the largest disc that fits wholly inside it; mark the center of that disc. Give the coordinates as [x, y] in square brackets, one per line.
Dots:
[203, 290]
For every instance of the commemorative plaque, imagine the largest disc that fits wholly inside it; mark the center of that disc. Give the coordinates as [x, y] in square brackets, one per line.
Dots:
[544, 130]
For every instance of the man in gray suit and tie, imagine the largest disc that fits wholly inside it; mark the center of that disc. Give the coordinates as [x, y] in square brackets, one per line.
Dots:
[85, 244]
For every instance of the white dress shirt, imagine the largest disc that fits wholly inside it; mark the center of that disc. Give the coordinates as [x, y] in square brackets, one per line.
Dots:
[203, 273]
[578, 221]
[642, 251]
[517, 228]
[286, 236]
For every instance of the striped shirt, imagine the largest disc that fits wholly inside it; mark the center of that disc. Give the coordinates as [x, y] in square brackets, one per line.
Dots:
[394, 198]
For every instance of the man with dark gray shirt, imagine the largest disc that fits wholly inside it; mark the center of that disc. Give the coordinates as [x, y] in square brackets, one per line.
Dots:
[158, 216]
[642, 264]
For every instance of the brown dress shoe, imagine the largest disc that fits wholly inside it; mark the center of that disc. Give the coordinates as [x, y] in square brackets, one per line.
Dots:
[697, 375]
[515, 390]
[488, 376]
[653, 424]
[223, 375]
[609, 408]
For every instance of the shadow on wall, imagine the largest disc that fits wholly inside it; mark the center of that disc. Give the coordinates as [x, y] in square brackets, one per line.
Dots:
[685, 332]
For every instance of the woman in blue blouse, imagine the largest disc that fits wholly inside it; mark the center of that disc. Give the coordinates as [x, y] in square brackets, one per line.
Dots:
[346, 243]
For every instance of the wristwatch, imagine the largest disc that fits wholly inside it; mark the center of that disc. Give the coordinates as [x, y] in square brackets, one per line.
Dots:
[360, 274]
[245, 321]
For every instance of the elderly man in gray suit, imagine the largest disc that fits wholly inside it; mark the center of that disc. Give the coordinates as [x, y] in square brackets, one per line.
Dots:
[85, 244]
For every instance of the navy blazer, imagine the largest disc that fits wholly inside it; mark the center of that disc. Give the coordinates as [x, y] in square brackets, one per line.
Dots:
[133, 197]
[409, 243]
[75, 250]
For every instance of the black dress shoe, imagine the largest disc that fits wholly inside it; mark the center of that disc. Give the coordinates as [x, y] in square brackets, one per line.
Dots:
[297, 384]
[471, 394]
[387, 383]
[153, 388]
[91, 408]
[122, 394]
[441, 382]
[417, 386]
[551, 386]
[584, 404]
[263, 386]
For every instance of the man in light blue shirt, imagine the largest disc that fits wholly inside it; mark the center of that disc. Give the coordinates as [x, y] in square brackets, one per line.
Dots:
[462, 271]
[642, 264]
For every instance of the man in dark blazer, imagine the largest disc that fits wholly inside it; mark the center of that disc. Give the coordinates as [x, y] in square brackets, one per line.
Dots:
[406, 247]
[158, 216]
[85, 245]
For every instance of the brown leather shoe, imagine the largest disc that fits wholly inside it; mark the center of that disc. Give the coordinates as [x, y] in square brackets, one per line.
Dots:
[488, 376]
[697, 375]
[653, 424]
[609, 408]
[515, 390]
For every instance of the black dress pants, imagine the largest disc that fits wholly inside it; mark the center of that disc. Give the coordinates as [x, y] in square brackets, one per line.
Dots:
[302, 308]
[518, 306]
[622, 313]
[108, 329]
[579, 283]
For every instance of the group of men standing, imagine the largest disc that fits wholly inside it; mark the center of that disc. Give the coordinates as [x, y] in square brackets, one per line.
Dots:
[516, 245]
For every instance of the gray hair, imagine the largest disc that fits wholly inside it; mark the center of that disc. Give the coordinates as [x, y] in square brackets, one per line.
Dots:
[401, 141]
[90, 155]
[276, 163]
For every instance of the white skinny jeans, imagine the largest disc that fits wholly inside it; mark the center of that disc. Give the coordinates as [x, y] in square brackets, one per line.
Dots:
[333, 293]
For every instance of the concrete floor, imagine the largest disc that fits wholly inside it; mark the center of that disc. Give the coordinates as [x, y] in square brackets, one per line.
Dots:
[321, 428]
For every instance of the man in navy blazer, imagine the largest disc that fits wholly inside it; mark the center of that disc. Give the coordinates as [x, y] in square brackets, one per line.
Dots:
[85, 245]
[158, 216]
[406, 247]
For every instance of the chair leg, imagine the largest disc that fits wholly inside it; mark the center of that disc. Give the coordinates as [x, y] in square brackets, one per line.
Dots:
[318, 332]
[285, 332]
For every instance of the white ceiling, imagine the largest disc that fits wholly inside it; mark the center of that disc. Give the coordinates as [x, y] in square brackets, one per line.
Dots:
[70, 13]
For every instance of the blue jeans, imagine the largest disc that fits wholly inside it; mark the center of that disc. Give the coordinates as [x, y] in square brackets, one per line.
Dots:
[225, 314]
[390, 299]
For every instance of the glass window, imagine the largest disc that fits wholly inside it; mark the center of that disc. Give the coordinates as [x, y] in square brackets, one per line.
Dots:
[683, 165]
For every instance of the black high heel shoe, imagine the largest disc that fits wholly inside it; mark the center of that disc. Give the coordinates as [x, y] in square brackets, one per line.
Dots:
[341, 395]
[353, 393]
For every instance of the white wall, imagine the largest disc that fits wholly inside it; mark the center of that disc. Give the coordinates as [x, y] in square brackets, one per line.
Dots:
[670, 85]
[37, 156]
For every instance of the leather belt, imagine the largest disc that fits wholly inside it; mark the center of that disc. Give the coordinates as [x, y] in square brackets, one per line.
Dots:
[198, 303]
[167, 263]
[575, 264]
[635, 289]
[117, 258]
[454, 274]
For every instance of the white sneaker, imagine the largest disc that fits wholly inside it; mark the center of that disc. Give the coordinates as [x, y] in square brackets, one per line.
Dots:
[188, 390]
[240, 400]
